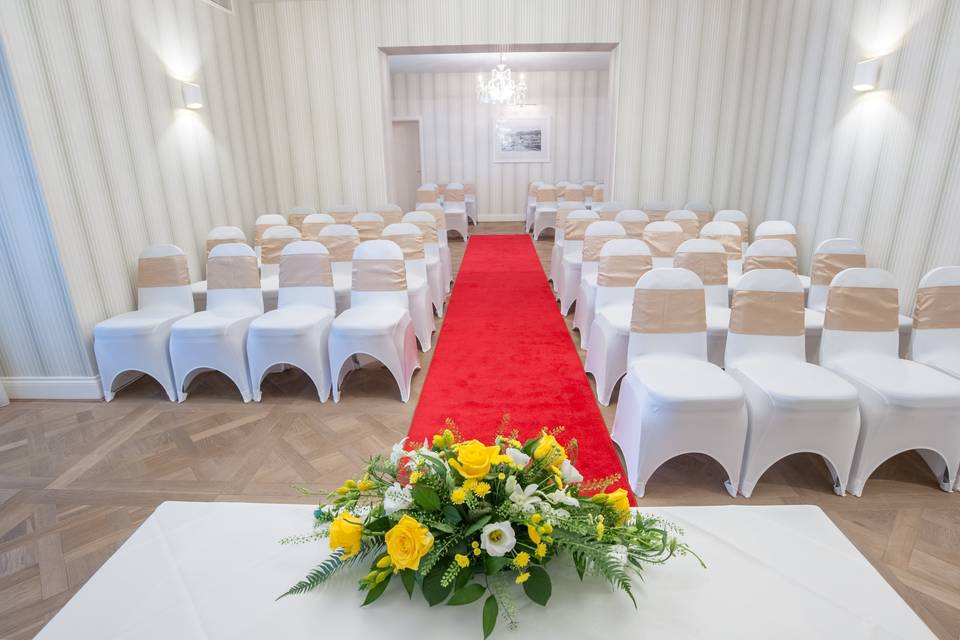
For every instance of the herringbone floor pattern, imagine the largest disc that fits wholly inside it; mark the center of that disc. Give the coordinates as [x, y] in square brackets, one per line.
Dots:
[76, 478]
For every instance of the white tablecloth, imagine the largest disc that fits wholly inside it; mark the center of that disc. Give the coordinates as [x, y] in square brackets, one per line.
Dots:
[212, 570]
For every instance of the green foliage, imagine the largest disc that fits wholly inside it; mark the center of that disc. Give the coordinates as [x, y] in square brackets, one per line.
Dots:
[493, 565]
[490, 611]
[426, 497]
[318, 576]
[466, 595]
[433, 588]
[377, 589]
[538, 587]
[409, 579]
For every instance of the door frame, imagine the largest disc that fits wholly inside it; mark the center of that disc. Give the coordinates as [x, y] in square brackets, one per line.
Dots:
[419, 121]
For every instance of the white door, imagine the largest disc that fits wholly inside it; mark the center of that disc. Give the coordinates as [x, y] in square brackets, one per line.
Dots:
[406, 162]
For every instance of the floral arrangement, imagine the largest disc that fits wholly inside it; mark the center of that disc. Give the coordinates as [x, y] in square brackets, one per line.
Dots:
[461, 520]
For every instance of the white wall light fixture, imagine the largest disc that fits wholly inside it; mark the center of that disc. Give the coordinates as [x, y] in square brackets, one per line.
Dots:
[866, 74]
[192, 95]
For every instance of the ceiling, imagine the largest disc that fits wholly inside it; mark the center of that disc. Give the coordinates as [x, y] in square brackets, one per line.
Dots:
[481, 62]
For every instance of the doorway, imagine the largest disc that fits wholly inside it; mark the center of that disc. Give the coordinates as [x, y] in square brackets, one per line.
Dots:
[406, 162]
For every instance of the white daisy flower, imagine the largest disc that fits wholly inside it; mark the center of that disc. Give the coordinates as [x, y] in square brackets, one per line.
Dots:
[498, 538]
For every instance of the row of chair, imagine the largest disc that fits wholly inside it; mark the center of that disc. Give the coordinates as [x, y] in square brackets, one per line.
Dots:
[862, 405]
[457, 200]
[388, 310]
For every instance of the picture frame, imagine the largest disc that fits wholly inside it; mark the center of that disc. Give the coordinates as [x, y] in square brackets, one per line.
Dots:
[522, 139]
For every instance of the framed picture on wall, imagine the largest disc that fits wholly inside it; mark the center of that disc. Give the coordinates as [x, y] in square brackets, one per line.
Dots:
[521, 139]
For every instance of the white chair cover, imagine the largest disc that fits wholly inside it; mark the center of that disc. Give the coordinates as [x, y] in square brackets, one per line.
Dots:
[297, 215]
[663, 237]
[410, 240]
[687, 220]
[656, 210]
[708, 260]
[427, 226]
[702, 208]
[574, 234]
[598, 234]
[340, 240]
[369, 226]
[545, 210]
[455, 209]
[343, 213]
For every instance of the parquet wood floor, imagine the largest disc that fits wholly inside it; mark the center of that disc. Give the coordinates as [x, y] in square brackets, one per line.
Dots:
[76, 478]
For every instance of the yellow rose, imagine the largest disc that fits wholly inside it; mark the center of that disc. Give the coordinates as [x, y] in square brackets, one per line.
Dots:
[474, 459]
[346, 532]
[407, 542]
[620, 501]
[549, 450]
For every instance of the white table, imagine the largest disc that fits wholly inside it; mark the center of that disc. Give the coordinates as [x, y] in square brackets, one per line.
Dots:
[212, 570]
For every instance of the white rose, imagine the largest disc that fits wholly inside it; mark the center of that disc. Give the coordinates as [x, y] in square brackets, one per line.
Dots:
[498, 539]
[518, 457]
[569, 473]
[397, 498]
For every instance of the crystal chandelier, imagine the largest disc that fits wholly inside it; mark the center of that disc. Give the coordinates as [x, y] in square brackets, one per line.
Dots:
[501, 88]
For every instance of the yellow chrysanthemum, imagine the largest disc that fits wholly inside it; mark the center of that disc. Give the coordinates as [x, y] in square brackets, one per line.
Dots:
[521, 560]
[458, 495]
[536, 518]
[541, 551]
[481, 489]
[470, 483]
[416, 475]
[462, 560]
[523, 577]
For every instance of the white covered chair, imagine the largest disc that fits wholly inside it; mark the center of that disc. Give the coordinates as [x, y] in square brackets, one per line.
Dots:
[216, 338]
[263, 223]
[340, 240]
[703, 210]
[572, 192]
[446, 263]
[470, 200]
[634, 221]
[369, 226]
[428, 193]
[531, 204]
[622, 263]
[597, 235]
[427, 225]
[598, 195]
[409, 238]
[793, 406]
[687, 220]
[297, 215]
[455, 209]
[663, 237]
[216, 236]
[139, 340]
[708, 259]
[556, 251]
[738, 218]
[343, 213]
[672, 401]
[656, 210]
[378, 322]
[296, 333]
[783, 230]
[574, 233]
[391, 213]
[727, 234]
[271, 248]
[588, 186]
[904, 405]
[936, 321]
[545, 211]
[313, 224]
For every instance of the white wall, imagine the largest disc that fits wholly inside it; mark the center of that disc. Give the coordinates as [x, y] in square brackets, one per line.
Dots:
[457, 132]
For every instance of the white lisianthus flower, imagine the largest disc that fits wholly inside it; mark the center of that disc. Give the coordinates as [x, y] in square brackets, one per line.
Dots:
[518, 457]
[397, 498]
[498, 538]
[569, 473]
[523, 498]
[618, 553]
[559, 497]
[397, 452]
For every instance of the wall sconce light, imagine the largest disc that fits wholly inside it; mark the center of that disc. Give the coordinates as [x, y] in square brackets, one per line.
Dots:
[192, 95]
[866, 74]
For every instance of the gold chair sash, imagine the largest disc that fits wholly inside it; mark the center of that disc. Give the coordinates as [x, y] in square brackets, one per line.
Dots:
[634, 228]
[305, 270]
[655, 215]
[342, 217]
[546, 194]
[710, 267]
[609, 214]
[453, 195]
[669, 311]
[690, 228]
[862, 309]
[429, 231]
[340, 248]
[663, 244]
[703, 217]
[426, 195]
[767, 313]
[411, 245]
[598, 194]
[789, 237]
[368, 229]
[770, 262]
[731, 244]
[827, 265]
[593, 244]
[271, 249]
[311, 230]
[378, 275]
[390, 216]
[439, 219]
[162, 271]
[296, 220]
[216, 242]
[622, 271]
[258, 230]
[576, 228]
[233, 272]
[937, 308]
[744, 227]
[573, 194]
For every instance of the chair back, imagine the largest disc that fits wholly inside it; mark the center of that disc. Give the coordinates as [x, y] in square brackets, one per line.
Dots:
[572, 193]
[314, 223]
[708, 260]
[233, 279]
[599, 193]
[224, 235]
[633, 221]
[862, 315]
[663, 237]
[469, 191]
[532, 187]
[738, 218]
[546, 194]
[687, 220]
[936, 317]
[770, 253]
[263, 223]
[727, 234]
[439, 218]
[427, 193]
[342, 213]
[163, 279]
[702, 208]
[274, 240]
[427, 225]
[391, 213]
[778, 229]
[453, 192]
[830, 258]
[620, 265]
[597, 235]
[306, 278]
[575, 230]
[609, 210]
[368, 225]
[340, 241]
[409, 238]
[766, 317]
[297, 215]
[563, 210]
[379, 275]
[669, 315]
[656, 210]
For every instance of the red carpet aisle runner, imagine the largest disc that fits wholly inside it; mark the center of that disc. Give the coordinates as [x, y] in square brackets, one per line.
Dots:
[505, 349]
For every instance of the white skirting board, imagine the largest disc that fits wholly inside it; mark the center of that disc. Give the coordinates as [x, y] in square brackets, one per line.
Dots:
[53, 388]
[4, 400]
